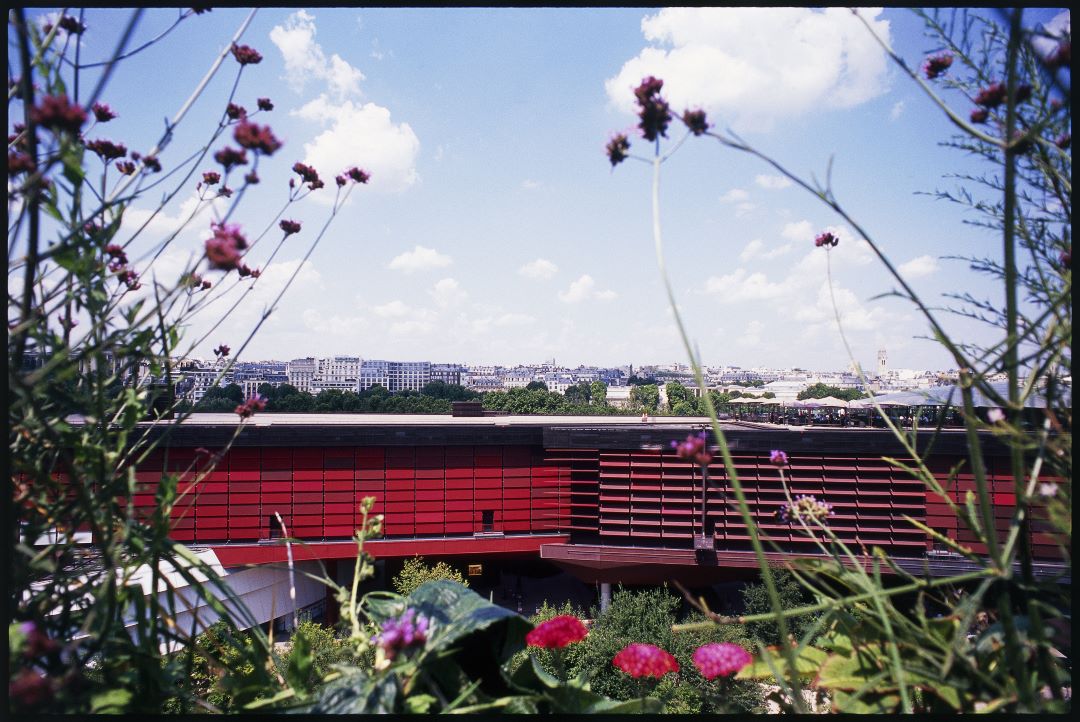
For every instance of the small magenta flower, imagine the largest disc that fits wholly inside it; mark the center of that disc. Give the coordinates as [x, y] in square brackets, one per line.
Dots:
[129, 278]
[1047, 490]
[695, 121]
[936, 65]
[289, 227]
[56, 113]
[991, 96]
[645, 660]
[695, 448]
[805, 508]
[557, 632]
[222, 351]
[720, 660]
[258, 138]
[223, 249]
[235, 112]
[150, 162]
[106, 149]
[246, 55]
[358, 175]
[402, 632]
[211, 177]
[979, 115]
[341, 180]
[19, 162]
[265, 104]
[248, 408]
[778, 458]
[826, 239]
[617, 149]
[1063, 141]
[102, 113]
[309, 175]
[228, 157]
[126, 167]
[252, 178]
[243, 271]
[995, 415]
[72, 25]
[225, 192]
[655, 113]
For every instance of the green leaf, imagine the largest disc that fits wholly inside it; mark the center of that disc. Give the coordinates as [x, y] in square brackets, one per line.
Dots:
[114, 701]
[72, 158]
[419, 703]
[649, 705]
[807, 664]
[301, 661]
[848, 672]
[357, 693]
[867, 704]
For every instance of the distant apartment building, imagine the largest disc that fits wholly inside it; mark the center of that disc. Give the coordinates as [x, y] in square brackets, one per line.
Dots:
[395, 375]
[301, 372]
[448, 373]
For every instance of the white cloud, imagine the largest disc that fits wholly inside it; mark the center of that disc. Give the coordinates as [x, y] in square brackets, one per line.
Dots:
[447, 292]
[798, 231]
[531, 185]
[514, 319]
[735, 195]
[392, 309]
[772, 182]
[739, 286]
[335, 325]
[750, 67]
[540, 268]
[364, 136]
[897, 110]
[919, 267]
[584, 289]
[420, 258]
[756, 249]
[305, 59]
[853, 314]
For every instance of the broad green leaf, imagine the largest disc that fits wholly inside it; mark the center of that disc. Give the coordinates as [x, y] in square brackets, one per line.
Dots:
[807, 664]
[846, 672]
[419, 703]
[458, 612]
[114, 701]
[867, 704]
[301, 661]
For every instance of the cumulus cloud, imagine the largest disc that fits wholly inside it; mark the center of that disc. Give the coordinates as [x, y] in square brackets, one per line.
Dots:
[540, 268]
[531, 185]
[306, 61]
[420, 258]
[447, 292]
[919, 267]
[364, 136]
[750, 67]
[897, 110]
[798, 231]
[772, 182]
[735, 195]
[584, 289]
[739, 286]
[757, 249]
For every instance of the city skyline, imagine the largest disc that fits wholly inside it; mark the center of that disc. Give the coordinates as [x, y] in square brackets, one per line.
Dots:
[494, 229]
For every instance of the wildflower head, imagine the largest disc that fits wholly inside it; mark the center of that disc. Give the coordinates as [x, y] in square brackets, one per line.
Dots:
[221, 351]
[805, 508]
[228, 157]
[991, 96]
[695, 448]
[557, 632]
[645, 660]
[258, 138]
[150, 162]
[979, 115]
[995, 415]
[223, 249]
[826, 240]
[19, 162]
[720, 660]
[936, 65]
[58, 114]
[358, 175]
[126, 167]
[655, 113]
[106, 149]
[402, 632]
[235, 112]
[265, 104]
[211, 177]
[778, 458]
[1063, 141]
[341, 180]
[102, 113]
[617, 149]
[246, 55]
[290, 227]
[309, 175]
[695, 121]
[252, 178]
[249, 407]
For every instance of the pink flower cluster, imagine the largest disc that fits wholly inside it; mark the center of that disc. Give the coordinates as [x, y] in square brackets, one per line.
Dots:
[248, 408]
[695, 448]
[57, 113]
[223, 249]
[826, 239]
[257, 138]
[557, 632]
[936, 65]
[645, 660]
[720, 660]
[654, 112]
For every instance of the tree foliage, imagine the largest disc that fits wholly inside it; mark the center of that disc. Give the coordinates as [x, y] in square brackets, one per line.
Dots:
[416, 572]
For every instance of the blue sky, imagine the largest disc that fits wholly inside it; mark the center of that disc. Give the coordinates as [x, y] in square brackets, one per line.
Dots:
[495, 231]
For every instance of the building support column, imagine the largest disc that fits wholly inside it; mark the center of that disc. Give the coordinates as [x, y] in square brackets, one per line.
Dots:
[605, 596]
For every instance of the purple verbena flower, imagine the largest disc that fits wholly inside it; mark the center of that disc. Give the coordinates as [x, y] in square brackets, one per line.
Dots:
[405, 631]
[805, 508]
